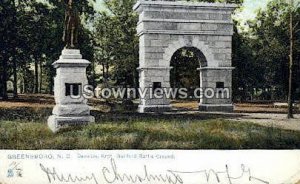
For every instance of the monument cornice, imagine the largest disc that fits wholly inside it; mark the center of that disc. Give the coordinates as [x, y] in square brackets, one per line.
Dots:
[186, 21]
[71, 63]
[176, 32]
[183, 4]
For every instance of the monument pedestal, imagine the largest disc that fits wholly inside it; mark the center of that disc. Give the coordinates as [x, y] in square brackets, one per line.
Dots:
[55, 123]
[71, 107]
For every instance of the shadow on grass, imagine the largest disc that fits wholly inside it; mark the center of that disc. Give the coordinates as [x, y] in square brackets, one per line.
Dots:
[25, 128]
[182, 116]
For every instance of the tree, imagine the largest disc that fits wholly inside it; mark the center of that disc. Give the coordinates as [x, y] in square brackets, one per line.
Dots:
[32, 32]
[117, 42]
[268, 42]
[293, 28]
[6, 30]
[247, 74]
[290, 93]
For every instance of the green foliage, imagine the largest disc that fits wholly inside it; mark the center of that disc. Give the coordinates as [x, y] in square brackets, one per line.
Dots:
[245, 75]
[32, 34]
[261, 54]
[117, 43]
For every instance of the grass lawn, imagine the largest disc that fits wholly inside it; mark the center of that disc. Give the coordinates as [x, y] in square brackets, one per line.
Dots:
[24, 127]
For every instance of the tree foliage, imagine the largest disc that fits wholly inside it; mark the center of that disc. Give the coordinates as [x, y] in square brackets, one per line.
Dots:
[265, 50]
[117, 43]
[32, 31]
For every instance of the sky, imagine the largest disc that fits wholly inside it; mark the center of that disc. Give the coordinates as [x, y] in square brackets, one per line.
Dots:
[249, 10]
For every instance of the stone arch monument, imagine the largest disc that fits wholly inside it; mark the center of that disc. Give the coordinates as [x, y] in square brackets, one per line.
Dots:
[167, 25]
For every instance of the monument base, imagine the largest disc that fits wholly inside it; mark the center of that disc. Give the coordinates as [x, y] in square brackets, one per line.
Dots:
[216, 107]
[56, 123]
[154, 108]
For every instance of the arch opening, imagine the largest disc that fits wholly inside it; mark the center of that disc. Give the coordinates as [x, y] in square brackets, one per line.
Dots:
[185, 63]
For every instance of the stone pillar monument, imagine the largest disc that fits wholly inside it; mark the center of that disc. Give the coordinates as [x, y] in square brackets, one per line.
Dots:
[164, 27]
[71, 107]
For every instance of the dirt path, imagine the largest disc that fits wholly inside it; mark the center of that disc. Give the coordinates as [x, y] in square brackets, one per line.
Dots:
[270, 119]
[277, 120]
[262, 114]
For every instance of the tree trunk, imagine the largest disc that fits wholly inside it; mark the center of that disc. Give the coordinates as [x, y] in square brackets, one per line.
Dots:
[4, 77]
[94, 74]
[36, 76]
[50, 77]
[22, 85]
[24, 81]
[15, 78]
[290, 95]
[41, 77]
[1, 83]
[51, 86]
[15, 81]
